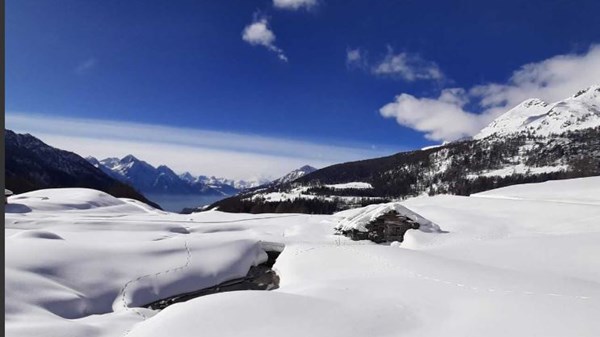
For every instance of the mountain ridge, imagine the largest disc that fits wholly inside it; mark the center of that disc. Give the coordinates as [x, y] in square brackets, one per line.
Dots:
[32, 164]
[579, 111]
[295, 174]
[161, 179]
[563, 142]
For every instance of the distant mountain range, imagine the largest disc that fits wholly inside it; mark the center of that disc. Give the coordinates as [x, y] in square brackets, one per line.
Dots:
[239, 185]
[163, 180]
[32, 164]
[267, 185]
[535, 141]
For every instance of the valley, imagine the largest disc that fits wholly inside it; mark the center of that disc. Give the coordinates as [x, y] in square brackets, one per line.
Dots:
[301, 168]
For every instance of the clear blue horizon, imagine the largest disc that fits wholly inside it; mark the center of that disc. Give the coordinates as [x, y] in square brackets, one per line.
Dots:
[317, 74]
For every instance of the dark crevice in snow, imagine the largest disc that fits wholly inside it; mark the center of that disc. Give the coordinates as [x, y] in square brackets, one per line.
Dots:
[260, 277]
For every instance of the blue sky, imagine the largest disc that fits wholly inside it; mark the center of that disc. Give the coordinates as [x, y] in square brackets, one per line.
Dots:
[318, 72]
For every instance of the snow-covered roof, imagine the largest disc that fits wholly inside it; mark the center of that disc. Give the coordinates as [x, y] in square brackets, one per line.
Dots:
[363, 216]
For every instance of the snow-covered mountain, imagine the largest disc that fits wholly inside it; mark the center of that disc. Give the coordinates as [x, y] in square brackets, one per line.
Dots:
[223, 184]
[295, 174]
[254, 186]
[535, 141]
[32, 164]
[249, 183]
[148, 179]
[580, 111]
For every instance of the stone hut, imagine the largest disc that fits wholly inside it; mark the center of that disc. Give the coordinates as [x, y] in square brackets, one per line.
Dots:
[383, 223]
[388, 227]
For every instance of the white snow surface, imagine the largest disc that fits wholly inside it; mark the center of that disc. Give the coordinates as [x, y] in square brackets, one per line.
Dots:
[519, 169]
[300, 193]
[357, 219]
[354, 184]
[577, 191]
[579, 111]
[295, 193]
[517, 261]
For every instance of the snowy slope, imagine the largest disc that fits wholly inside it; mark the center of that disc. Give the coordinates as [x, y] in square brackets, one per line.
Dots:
[351, 185]
[519, 263]
[577, 191]
[579, 111]
[497, 273]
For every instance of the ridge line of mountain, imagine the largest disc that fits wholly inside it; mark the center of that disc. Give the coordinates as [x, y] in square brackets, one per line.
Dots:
[32, 164]
[534, 141]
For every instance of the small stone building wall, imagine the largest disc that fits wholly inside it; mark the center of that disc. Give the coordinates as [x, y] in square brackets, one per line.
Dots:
[389, 227]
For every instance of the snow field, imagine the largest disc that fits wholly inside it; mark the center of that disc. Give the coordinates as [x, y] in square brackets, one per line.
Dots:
[517, 261]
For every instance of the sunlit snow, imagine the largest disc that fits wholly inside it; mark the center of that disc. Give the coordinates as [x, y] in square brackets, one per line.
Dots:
[517, 261]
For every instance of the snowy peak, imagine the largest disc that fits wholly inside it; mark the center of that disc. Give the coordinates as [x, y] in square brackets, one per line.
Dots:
[226, 186]
[162, 179]
[110, 162]
[166, 170]
[306, 169]
[93, 161]
[295, 174]
[580, 111]
[129, 159]
[186, 176]
[592, 91]
[247, 184]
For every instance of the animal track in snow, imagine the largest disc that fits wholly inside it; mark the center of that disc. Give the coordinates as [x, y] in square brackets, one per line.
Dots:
[123, 290]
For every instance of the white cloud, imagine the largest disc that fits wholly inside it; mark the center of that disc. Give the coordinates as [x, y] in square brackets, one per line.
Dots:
[258, 33]
[406, 66]
[230, 155]
[551, 80]
[446, 118]
[441, 118]
[409, 67]
[356, 58]
[85, 66]
[294, 4]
